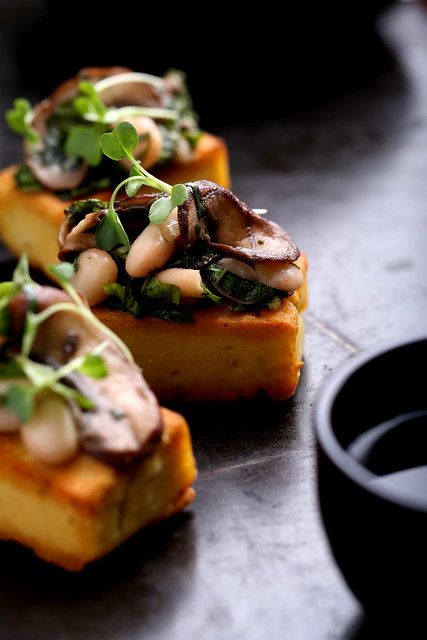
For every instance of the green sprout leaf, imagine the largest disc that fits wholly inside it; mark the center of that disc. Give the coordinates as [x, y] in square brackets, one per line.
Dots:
[83, 142]
[64, 271]
[89, 102]
[179, 194]
[160, 209]
[19, 398]
[133, 186]
[19, 120]
[94, 366]
[110, 233]
[21, 275]
[120, 142]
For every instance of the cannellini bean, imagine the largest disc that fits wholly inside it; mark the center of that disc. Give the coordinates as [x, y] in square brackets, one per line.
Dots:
[170, 228]
[188, 281]
[51, 435]
[280, 275]
[150, 146]
[238, 267]
[154, 246]
[95, 268]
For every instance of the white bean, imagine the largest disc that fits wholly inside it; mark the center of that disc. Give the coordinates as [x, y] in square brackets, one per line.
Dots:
[188, 281]
[280, 275]
[154, 246]
[51, 435]
[95, 268]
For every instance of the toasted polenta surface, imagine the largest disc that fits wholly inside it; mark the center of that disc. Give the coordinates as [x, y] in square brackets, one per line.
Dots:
[223, 355]
[75, 513]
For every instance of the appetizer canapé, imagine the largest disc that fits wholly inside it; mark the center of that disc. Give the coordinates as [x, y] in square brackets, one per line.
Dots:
[230, 283]
[87, 456]
[63, 159]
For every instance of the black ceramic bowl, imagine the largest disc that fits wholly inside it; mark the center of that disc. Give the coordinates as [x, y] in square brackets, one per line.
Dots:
[377, 527]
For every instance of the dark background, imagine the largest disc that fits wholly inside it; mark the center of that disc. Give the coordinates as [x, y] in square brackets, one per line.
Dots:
[242, 62]
[324, 109]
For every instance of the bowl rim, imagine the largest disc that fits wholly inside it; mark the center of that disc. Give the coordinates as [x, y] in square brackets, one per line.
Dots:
[327, 440]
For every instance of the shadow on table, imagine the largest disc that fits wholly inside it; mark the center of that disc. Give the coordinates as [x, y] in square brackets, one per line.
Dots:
[140, 585]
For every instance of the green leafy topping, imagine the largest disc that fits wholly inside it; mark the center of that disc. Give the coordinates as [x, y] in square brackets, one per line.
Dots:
[19, 120]
[19, 398]
[210, 295]
[64, 271]
[110, 234]
[240, 290]
[83, 142]
[153, 288]
[125, 298]
[78, 210]
[89, 103]
[25, 180]
[119, 144]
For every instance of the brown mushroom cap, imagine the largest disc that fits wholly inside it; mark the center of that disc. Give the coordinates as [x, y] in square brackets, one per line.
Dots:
[125, 422]
[53, 176]
[233, 228]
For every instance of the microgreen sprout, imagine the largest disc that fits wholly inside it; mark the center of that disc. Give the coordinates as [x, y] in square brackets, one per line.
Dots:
[35, 377]
[20, 118]
[119, 144]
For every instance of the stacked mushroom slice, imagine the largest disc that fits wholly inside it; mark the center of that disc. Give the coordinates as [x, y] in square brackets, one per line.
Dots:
[212, 217]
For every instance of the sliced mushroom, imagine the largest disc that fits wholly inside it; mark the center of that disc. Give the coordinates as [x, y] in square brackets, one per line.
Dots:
[72, 240]
[234, 229]
[125, 422]
[131, 88]
[55, 176]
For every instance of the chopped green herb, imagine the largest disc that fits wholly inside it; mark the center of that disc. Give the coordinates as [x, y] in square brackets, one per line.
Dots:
[244, 292]
[25, 180]
[153, 288]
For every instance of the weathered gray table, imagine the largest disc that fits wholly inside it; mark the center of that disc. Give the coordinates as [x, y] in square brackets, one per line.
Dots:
[250, 560]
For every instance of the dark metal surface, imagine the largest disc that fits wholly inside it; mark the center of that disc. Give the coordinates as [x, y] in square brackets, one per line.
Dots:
[251, 560]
